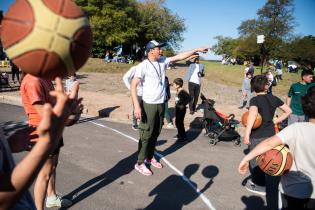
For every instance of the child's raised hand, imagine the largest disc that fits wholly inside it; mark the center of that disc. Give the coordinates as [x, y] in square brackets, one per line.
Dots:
[54, 118]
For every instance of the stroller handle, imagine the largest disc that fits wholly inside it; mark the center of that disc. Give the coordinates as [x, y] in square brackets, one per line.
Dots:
[231, 117]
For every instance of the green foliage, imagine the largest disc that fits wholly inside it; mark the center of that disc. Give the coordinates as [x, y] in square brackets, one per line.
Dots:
[225, 46]
[112, 22]
[168, 52]
[275, 21]
[157, 22]
[246, 48]
[303, 51]
[130, 22]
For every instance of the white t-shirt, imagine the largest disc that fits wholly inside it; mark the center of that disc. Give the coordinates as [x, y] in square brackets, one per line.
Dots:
[194, 77]
[299, 182]
[153, 80]
[127, 78]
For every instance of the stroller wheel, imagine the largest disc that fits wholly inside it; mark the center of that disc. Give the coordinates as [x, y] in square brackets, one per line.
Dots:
[212, 142]
[237, 142]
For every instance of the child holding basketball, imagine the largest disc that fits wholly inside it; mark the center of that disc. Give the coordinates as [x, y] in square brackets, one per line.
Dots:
[181, 100]
[266, 105]
[296, 186]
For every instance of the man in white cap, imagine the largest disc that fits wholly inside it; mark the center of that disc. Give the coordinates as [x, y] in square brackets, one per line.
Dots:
[151, 72]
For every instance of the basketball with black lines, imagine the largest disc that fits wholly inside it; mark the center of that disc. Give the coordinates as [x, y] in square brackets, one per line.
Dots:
[46, 38]
[276, 161]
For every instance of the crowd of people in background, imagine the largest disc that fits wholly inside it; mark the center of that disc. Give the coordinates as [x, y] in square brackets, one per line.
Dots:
[257, 97]
[47, 108]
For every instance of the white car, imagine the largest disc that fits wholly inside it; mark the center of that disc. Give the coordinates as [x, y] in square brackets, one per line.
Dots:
[293, 66]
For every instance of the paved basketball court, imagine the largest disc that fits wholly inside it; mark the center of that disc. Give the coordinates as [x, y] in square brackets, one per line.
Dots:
[96, 169]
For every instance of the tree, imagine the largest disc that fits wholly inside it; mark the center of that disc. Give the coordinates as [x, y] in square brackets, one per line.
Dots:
[157, 22]
[247, 49]
[275, 21]
[131, 23]
[302, 50]
[112, 22]
[225, 46]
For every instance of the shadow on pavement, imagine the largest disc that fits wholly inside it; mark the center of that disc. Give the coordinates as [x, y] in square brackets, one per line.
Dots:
[253, 202]
[192, 133]
[123, 167]
[106, 111]
[195, 128]
[174, 192]
[84, 120]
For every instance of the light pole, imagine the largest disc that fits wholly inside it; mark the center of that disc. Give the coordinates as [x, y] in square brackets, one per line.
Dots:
[260, 41]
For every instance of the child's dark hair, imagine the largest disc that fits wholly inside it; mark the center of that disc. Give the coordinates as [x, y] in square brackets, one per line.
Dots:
[306, 72]
[179, 82]
[249, 73]
[308, 103]
[258, 83]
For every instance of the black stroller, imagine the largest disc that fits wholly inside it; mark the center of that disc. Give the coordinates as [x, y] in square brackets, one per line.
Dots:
[218, 126]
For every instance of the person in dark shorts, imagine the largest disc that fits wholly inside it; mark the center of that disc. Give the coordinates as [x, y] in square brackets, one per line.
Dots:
[265, 105]
[181, 101]
[297, 185]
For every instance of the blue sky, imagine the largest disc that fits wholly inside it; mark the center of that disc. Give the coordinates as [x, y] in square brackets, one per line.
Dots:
[206, 19]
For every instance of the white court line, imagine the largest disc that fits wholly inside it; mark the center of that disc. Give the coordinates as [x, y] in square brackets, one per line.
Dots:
[197, 190]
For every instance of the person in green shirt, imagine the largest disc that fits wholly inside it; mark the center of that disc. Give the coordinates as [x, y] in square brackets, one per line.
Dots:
[297, 90]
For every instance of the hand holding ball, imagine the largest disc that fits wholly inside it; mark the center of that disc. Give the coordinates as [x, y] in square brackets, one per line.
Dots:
[46, 38]
[257, 122]
[276, 161]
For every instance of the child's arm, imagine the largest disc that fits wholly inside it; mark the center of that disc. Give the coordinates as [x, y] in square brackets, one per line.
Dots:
[253, 112]
[13, 184]
[286, 112]
[258, 150]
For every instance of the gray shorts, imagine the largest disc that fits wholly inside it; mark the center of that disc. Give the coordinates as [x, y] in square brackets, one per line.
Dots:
[293, 118]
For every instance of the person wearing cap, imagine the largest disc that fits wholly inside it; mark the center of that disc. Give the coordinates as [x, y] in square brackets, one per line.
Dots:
[151, 72]
[193, 76]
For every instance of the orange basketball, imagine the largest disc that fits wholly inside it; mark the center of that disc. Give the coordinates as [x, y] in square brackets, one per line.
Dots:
[257, 122]
[46, 38]
[276, 161]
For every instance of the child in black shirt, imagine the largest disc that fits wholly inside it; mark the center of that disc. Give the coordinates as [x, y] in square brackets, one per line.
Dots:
[266, 105]
[181, 100]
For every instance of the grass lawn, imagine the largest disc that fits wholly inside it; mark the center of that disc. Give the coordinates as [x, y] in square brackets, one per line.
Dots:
[225, 74]
[233, 76]
[98, 65]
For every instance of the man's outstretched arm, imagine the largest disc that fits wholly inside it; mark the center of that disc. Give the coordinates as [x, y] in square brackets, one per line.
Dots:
[184, 55]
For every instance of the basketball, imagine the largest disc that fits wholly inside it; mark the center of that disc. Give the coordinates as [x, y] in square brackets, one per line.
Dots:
[46, 38]
[257, 122]
[276, 161]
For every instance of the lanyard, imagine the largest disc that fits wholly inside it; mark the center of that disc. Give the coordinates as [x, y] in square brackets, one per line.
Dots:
[158, 74]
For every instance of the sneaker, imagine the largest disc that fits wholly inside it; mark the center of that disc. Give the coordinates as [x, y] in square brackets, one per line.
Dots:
[175, 137]
[250, 186]
[154, 163]
[57, 201]
[135, 127]
[143, 169]
[170, 125]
